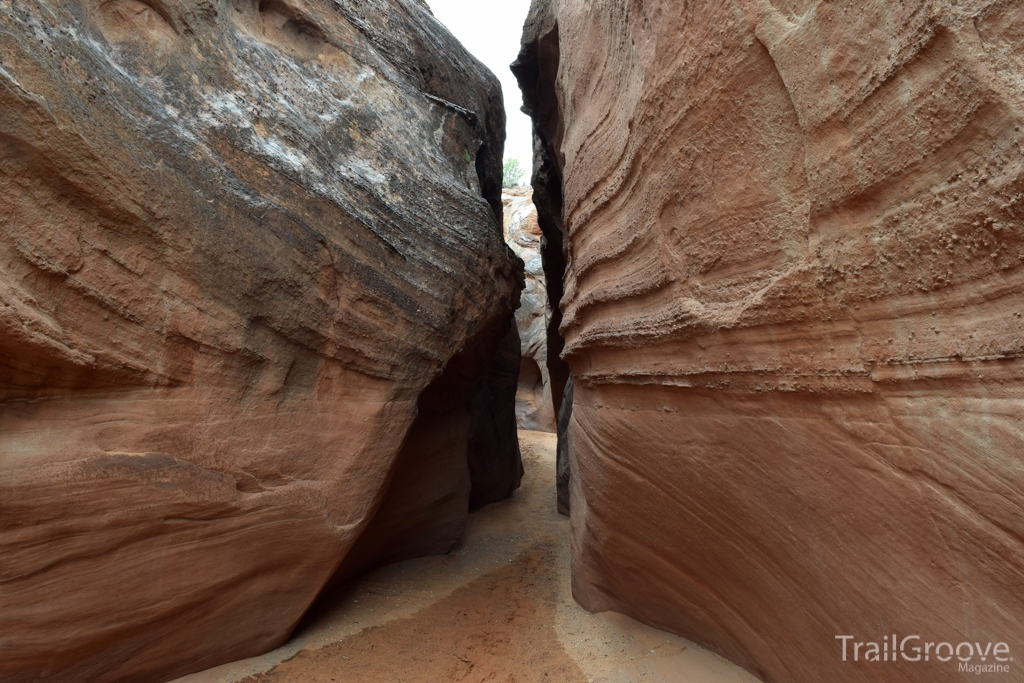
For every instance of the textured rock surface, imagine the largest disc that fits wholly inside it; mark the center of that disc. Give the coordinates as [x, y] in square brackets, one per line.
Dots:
[240, 238]
[792, 311]
[535, 408]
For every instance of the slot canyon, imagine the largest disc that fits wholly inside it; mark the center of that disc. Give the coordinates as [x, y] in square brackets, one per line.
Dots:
[298, 386]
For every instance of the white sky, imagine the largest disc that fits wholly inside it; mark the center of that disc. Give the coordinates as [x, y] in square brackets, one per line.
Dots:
[491, 30]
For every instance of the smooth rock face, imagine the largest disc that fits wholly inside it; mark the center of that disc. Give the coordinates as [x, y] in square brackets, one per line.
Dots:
[495, 462]
[240, 239]
[793, 313]
[535, 408]
[536, 70]
[563, 461]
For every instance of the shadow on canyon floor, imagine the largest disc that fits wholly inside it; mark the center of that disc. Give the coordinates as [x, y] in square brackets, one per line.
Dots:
[497, 608]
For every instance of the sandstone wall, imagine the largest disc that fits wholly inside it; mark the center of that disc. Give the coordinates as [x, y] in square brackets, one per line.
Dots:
[794, 235]
[535, 406]
[252, 281]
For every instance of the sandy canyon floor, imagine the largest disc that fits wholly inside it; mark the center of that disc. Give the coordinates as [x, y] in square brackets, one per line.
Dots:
[498, 608]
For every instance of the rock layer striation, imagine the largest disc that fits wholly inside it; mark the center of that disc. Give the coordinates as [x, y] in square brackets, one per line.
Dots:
[794, 247]
[252, 282]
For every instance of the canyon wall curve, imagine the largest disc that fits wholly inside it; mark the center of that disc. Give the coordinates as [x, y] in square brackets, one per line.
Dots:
[793, 290]
[256, 317]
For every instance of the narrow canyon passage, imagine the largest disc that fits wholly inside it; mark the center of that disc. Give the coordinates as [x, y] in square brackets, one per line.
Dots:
[497, 608]
[273, 305]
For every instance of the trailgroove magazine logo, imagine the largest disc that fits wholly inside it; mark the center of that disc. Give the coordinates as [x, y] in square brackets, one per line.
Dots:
[973, 658]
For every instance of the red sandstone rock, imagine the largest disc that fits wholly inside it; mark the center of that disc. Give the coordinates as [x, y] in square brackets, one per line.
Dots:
[535, 408]
[239, 241]
[792, 310]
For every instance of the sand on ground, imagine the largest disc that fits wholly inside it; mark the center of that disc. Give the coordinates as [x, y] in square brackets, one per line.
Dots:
[498, 608]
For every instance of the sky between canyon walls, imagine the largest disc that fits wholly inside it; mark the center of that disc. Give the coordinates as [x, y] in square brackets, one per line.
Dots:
[491, 30]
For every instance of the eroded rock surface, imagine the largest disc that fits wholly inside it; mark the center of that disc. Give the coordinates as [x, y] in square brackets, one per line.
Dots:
[793, 314]
[535, 407]
[241, 238]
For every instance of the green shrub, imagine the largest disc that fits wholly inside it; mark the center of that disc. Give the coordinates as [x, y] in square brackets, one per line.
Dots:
[512, 173]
